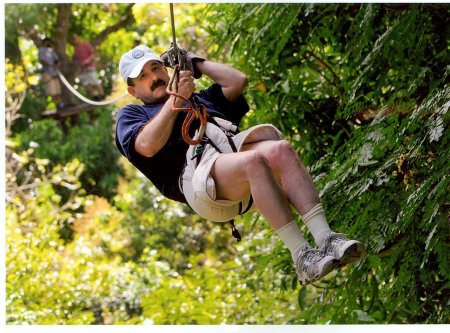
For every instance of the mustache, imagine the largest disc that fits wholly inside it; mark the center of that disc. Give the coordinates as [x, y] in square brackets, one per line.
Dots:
[158, 83]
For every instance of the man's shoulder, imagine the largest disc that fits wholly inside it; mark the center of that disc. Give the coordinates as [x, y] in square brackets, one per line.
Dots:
[149, 110]
[141, 107]
[130, 108]
[86, 44]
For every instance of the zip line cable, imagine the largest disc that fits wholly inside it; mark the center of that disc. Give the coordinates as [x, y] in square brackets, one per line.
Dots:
[84, 99]
[172, 20]
[179, 60]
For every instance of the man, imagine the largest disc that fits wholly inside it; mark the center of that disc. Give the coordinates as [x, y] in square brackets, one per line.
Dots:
[49, 60]
[84, 57]
[221, 184]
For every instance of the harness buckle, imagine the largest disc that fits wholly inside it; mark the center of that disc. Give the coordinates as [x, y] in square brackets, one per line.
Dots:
[199, 150]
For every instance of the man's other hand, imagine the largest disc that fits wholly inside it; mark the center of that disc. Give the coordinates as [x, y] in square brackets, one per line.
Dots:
[191, 56]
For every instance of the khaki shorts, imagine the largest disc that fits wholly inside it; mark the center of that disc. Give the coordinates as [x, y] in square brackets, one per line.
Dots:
[88, 77]
[51, 84]
[196, 182]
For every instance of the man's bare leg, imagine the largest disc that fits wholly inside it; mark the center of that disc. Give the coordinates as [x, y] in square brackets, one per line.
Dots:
[297, 184]
[301, 192]
[239, 174]
[295, 178]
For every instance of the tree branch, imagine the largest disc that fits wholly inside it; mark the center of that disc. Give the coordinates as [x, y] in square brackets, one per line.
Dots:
[126, 19]
[60, 42]
[68, 111]
[323, 64]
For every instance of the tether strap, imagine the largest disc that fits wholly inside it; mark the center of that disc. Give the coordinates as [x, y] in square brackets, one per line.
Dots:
[235, 232]
[198, 112]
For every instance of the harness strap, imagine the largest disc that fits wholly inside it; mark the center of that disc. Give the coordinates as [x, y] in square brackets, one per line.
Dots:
[197, 112]
[234, 231]
[198, 155]
[250, 203]
[231, 142]
[228, 133]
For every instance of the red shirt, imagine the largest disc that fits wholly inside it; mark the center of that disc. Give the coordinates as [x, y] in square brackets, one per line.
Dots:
[83, 51]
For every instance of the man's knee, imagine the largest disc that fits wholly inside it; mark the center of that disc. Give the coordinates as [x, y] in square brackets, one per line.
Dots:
[255, 163]
[281, 150]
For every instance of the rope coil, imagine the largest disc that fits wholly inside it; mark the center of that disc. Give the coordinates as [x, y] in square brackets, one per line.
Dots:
[197, 112]
[179, 60]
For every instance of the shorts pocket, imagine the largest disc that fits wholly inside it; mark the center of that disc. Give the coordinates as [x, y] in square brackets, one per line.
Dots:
[205, 190]
[203, 184]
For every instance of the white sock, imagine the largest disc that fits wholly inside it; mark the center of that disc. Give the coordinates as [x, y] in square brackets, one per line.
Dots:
[317, 224]
[293, 239]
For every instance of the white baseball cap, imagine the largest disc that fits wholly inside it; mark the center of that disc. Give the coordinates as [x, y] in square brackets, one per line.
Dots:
[131, 63]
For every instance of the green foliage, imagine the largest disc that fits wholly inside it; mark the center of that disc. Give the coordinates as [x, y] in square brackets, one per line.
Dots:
[362, 90]
[89, 140]
[126, 263]
[382, 191]
[332, 62]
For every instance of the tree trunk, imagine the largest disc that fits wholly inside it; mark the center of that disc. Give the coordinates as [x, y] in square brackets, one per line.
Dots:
[60, 42]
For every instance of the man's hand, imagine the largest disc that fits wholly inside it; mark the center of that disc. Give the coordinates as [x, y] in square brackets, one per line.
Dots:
[191, 56]
[186, 86]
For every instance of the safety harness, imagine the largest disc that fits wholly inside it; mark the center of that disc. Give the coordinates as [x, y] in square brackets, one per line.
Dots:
[179, 60]
[230, 130]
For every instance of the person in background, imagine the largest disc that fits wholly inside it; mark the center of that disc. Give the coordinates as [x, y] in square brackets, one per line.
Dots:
[49, 60]
[84, 57]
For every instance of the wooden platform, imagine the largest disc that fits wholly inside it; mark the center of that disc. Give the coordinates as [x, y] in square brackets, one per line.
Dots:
[68, 111]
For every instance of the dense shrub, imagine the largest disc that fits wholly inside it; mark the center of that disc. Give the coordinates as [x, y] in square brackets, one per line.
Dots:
[89, 139]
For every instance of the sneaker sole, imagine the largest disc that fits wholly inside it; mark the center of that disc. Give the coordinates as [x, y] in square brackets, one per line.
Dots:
[351, 254]
[326, 270]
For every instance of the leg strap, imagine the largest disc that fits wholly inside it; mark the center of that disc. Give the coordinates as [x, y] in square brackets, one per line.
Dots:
[250, 203]
[234, 231]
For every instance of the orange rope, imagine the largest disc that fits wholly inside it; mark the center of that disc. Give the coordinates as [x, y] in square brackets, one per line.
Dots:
[198, 112]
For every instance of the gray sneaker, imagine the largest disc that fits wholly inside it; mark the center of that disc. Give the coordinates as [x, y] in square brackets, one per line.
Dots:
[345, 251]
[312, 265]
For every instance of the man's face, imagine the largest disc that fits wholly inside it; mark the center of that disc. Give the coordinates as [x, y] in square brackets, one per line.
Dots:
[76, 39]
[150, 86]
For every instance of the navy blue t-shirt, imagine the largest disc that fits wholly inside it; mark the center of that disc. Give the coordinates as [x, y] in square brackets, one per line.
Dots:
[164, 168]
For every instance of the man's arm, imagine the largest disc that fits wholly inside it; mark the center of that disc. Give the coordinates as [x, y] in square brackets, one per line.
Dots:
[233, 82]
[87, 61]
[156, 132]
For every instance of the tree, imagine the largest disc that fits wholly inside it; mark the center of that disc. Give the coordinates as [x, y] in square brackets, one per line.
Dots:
[59, 25]
[362, 91]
